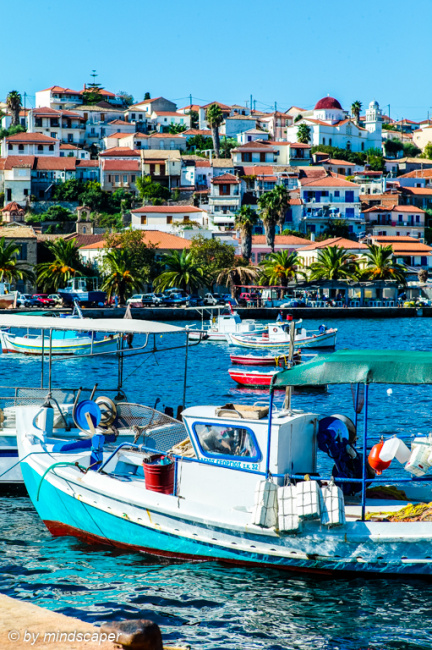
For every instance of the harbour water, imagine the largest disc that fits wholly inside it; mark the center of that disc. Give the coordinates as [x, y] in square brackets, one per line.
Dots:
[209, 605]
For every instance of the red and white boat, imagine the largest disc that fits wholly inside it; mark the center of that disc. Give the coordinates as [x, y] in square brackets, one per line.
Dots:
[254, 378]
[255, 360]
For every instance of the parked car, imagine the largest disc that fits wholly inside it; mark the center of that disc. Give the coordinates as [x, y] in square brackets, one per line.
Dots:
[246, 297]
[294, 302]
[228, 299]
[31, 301]
[158, 298]
[213, 299]
[195, 300]
[138, 297]
[44, 299]
[176, 299]
[57, 299]
[142, 300]
[22, 298]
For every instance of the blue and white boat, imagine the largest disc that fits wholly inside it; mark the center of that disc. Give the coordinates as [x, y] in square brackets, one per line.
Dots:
[242, 484]
[83, 289]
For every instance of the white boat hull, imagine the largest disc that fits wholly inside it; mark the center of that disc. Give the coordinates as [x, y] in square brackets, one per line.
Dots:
[327, 339]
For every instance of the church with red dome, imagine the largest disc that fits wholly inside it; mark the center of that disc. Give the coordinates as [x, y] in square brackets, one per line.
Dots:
[331, 125]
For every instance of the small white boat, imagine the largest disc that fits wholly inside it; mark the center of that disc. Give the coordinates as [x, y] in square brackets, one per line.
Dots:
[278, 336]
[73, 343]
[227, 323]
[7, 297]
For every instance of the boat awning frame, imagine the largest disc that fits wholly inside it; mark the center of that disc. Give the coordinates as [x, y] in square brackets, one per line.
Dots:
[114, 325]
[360, 367]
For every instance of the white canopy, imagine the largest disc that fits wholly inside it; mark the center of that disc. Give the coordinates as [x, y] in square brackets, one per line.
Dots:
[114, 325]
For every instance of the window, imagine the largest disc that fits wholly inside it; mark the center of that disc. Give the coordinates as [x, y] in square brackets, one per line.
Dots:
[349, 196]
[10, 147]
[133, 116]
[20, 147]
[227, 441]
[40, 147]
[109, 178]
[362, 146]
[22, 253]
[26, 192]
[117, 179]
[103, 130]
[133, 178]
[125, 179]
[51, 147]
[348, 145]
[138, 144]
[417, 218]
[224, 190]
[400, 217]
[169, 219]
[143, 220]
[53, 135]
[330, 142]
[323, 141]
[247, 157]
[337, 193]
[69, 138]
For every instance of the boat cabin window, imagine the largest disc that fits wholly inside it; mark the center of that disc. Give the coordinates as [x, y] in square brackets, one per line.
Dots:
[221, 440]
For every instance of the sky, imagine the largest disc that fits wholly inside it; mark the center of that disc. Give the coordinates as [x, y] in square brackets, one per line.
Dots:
[279, 51]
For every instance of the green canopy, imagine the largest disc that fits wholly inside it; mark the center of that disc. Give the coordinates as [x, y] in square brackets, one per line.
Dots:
[360, 367]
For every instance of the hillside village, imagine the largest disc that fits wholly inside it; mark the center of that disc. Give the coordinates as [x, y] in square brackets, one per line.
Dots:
[82, 164]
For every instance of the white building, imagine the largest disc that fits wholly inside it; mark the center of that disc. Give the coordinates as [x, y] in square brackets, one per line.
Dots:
[186, 220]
[58, 98]
[225, 199]
[331, 125]
[66, 126]
[30, 144]
[396, 220]
[161, 120]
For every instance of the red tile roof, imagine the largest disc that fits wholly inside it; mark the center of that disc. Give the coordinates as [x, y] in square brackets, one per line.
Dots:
[204, 132]
[52, 112]
[80, 162]
[287, 240]
[202, 163]
[60, 89]
[119, 152]
[18, 161]
[69, 147]
[172, 113]
[119, 135]
[253, 146]
[55, 163]
[31, 138]
[121, 165]
[340, 242]
[335, 161]
[120, 122]
[221, 106]
[417, 173]
[224, 179]
[332, 180]
[162, 240]
[419, 191]
[394, 208]
[170, 209]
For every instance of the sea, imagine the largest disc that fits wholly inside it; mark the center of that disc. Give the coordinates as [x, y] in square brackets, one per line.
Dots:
[208, 605]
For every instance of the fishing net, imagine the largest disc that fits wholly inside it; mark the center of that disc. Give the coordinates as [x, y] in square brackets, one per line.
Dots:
[153, 429]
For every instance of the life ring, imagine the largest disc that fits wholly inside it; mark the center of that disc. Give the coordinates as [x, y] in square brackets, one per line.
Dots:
[275, 329]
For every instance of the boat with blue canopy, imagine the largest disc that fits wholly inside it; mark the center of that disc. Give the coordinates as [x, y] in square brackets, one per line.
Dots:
[253, 485]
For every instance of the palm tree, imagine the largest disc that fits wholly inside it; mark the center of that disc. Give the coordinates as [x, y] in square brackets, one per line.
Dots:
[269, 213]
[304, 134]
[14, 103]
[214, 119]
[122, 274]
[65, 265]
[334, 263]
[9, 269]
[282, 201]
[355, 110]
[279, 268]
[237, 275]
[380, 265]
[245, 220]
[181, 271]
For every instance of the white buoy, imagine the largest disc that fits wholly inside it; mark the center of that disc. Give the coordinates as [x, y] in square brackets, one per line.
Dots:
[389, 391]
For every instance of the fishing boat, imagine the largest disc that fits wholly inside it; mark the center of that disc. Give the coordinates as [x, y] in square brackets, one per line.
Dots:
[7, 297]
[254, 378]
[68, 401]
[256, 360]
[86, 290]
[245, 484]
[227, 322]
[277, 336]
[63, 342]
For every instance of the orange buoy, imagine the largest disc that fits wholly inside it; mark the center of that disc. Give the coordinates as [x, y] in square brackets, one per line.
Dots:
[375, 461]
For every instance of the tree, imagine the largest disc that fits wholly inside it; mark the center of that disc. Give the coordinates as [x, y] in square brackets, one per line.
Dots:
[121, 275]
[214, 119]
[337, 228]
[427, 151]
[199, 142]
[298, 118]
[194, 119]
[64, 265]
[176, 128]
[355, 110]
[281, 202]
[226, 147]
[410, 149]
[304, 134]
[334, 263]
[239, 273]
[58, 213]
[245, 220]
[10, 271]
[141, 254]
[146, 96]
[281, 267]
[12, 130]
[149, 189]
[392, 147]
[92, 92]
[126, 98]
[182, 271]
[269, 215]
[381, 266]
[212, 255]
[14, 104]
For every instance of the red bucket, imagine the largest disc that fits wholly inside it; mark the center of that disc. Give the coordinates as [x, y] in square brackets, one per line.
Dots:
[159, 478]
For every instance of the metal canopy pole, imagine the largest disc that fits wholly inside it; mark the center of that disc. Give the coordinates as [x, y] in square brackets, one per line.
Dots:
[356, 406]
[42, 362]
[185, 371]
[364, 452]
[49, 360]
[288, 390]
[269, 433]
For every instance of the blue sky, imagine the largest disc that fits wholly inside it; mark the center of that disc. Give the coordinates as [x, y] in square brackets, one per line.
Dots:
[282, 51]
